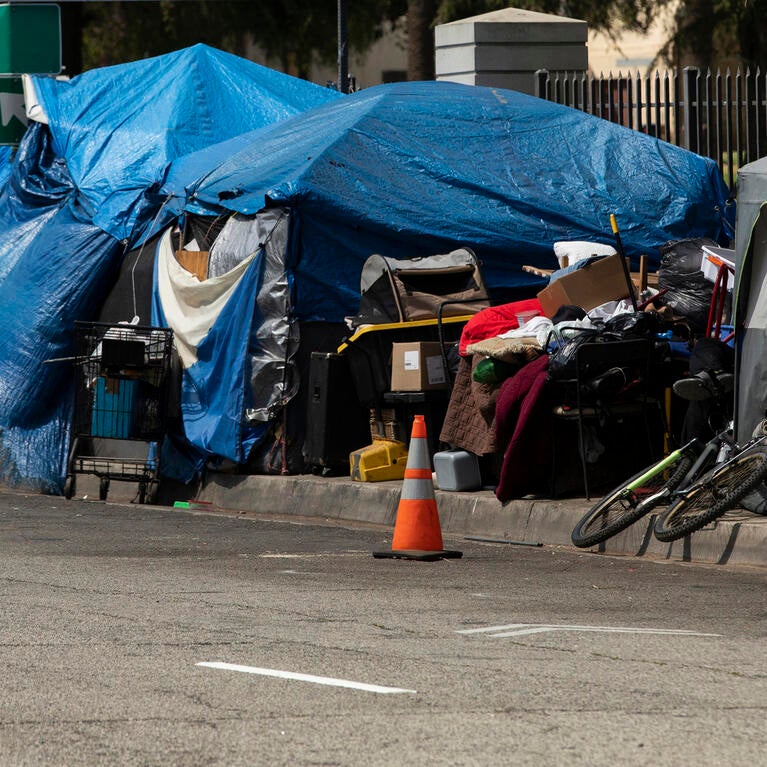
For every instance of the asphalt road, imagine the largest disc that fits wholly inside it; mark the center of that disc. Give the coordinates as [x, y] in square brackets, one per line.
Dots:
[147, 636]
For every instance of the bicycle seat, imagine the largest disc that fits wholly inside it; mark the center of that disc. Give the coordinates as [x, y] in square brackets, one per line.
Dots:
[704, 385]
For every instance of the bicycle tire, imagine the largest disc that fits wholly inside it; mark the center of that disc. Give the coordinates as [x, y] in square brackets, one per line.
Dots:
[619, 509]
[711, 496]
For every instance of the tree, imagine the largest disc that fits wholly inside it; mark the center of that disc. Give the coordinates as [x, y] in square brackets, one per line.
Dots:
[297, 33]
[709, 33]
[293, 32]
[420, 39]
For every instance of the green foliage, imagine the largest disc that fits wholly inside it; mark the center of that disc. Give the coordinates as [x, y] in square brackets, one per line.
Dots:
[297, 33]
[636, 15]
[293, 32]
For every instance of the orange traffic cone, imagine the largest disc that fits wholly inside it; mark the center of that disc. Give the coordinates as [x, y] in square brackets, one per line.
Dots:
[417, 533]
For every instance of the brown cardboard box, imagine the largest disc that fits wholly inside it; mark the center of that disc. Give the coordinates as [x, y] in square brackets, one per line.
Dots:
[194, 261]
[597, 283]
[417, 366]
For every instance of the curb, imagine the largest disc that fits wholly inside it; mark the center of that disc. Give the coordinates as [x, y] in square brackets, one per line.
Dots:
[738, 538]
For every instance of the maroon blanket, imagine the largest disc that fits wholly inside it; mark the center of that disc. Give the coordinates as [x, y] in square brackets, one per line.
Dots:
[522, 431]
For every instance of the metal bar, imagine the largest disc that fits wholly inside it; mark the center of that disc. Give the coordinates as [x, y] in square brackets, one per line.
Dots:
[728, 138]
[343, 48]
[542, 84]
[718, 118]
[621, 99]
[691, 108]
[500, 540]
[708, 124]
[610, 97]
[755, 115]
[738, 119]
[658, 124]
[677, 108]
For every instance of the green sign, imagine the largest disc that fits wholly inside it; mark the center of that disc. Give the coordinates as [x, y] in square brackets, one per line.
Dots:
[30, 39]
[13, 118]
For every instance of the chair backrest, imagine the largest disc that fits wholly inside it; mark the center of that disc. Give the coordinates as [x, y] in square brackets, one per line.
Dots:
[593, 359]
[600, 355]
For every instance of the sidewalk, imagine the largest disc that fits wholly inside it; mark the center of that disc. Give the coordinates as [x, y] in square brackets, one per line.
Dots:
[738, 538]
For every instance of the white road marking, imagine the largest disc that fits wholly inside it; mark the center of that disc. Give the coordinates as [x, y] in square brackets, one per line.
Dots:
[520, 629]
[326, 680]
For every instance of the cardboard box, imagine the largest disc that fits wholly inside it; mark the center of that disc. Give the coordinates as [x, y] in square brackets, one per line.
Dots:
[417, 366]
[591, 285]
[194, 261]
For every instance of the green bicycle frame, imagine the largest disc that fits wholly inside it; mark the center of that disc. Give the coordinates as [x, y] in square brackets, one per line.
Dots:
[653, 471]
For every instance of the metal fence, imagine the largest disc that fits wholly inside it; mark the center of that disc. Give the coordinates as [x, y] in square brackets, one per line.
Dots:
[719, 115]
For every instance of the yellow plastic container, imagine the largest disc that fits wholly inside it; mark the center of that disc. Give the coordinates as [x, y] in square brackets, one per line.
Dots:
[384, 459]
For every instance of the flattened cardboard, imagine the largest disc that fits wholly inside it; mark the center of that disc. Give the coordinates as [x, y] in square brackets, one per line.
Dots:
[591, 285]
[194, 261]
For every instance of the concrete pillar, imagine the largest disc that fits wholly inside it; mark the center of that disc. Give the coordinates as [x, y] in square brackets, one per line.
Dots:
[503, 49]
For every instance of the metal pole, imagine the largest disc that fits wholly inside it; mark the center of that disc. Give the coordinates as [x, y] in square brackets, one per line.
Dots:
[343, 50]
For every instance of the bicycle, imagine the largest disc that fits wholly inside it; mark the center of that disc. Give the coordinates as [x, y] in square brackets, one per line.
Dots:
[665, 482]
[717, 491]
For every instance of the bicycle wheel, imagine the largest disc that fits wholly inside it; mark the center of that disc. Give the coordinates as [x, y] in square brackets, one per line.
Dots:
[623, 506]
[711, 496]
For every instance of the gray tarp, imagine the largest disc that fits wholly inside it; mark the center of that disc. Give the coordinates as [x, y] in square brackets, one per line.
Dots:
[751, 298]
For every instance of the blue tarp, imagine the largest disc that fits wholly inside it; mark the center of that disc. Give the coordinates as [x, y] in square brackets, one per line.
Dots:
[76, 200]
[414, 169]
[5, 163]
[119, 126]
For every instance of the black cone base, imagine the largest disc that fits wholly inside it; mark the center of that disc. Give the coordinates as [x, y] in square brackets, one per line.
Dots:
[424, 556]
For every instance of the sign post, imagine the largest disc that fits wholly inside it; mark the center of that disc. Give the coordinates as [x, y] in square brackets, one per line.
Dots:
[13, 118]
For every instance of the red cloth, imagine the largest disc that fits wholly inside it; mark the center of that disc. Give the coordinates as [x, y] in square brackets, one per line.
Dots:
[491, 322]
[522, 432]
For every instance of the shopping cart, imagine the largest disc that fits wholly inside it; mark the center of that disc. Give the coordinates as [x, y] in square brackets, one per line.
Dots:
[121, 393]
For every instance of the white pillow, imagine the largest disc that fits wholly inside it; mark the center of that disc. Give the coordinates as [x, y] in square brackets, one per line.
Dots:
[577, 250]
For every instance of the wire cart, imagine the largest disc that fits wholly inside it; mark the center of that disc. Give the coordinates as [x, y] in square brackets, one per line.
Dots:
[121, 393]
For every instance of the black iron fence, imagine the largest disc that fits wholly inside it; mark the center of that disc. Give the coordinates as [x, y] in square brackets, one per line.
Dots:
[719, 115]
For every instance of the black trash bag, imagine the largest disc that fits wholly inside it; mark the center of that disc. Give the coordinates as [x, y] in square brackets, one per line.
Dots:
[689, 292]
[634, 325]
[563, 344]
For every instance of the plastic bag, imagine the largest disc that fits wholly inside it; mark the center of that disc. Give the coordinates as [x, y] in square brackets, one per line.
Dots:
[689, 292]
[634, 324]
[564, 344]
[565, 340]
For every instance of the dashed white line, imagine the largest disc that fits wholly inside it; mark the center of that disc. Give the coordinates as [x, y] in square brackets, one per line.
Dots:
[326, 680]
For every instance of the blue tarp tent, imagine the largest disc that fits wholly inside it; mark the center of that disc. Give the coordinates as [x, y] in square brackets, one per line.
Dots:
[76, 201]
[417, 169]
[414, 169]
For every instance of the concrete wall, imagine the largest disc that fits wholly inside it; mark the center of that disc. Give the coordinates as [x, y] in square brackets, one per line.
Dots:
[505, 48]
